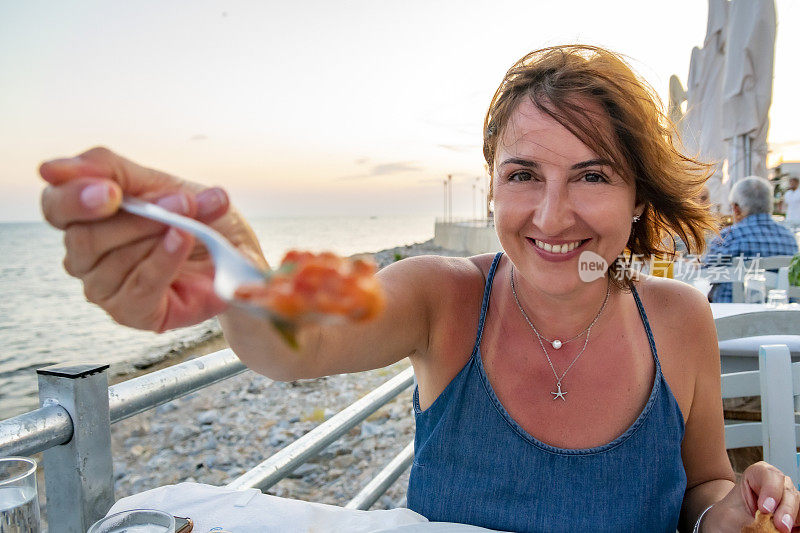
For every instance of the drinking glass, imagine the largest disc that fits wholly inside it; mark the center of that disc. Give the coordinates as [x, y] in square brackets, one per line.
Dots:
[755, 289]
[135, 521]
[777, 298]
[19, 502]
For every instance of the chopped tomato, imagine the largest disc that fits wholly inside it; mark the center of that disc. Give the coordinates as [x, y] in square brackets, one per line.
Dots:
[308, 284]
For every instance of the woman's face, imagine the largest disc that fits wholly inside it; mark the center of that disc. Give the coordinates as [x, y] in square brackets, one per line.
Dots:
[555, 199]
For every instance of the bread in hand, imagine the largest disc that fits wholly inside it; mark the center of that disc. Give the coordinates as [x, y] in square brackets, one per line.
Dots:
[761, 524]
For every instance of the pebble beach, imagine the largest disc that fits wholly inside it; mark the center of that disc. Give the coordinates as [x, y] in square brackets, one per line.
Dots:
[214, 435]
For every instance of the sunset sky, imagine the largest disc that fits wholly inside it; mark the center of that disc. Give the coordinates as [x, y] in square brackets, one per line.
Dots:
[312, 107]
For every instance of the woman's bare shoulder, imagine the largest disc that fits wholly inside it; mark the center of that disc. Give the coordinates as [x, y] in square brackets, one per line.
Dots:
[682, 317]
[448, 291]
[672, 300]
[437, 274]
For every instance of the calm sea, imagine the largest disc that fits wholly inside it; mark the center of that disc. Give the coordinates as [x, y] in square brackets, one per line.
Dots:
[45, 319]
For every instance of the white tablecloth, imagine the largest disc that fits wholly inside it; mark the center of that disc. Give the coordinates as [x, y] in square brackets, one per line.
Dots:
[249, 510]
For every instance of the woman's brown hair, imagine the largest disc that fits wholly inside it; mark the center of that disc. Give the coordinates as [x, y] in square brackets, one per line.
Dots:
[643, 148]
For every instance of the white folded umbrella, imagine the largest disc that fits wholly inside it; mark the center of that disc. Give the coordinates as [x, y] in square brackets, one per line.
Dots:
[747, 85]
[701, 126]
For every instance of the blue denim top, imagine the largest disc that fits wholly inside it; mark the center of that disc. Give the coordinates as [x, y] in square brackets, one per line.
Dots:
[474, 464]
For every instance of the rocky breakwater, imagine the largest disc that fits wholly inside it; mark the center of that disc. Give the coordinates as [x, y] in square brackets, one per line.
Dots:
[215, 435]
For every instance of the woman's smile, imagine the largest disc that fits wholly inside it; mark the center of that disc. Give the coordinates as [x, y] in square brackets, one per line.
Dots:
[552, 250]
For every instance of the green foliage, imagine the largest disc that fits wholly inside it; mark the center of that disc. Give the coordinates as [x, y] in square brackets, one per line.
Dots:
[398, 256]
[794, 270]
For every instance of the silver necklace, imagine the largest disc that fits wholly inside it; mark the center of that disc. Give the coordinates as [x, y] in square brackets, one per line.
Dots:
[555, 343]
[558, 394]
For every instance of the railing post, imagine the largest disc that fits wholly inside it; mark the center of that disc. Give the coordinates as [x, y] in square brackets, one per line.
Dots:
[79, 479]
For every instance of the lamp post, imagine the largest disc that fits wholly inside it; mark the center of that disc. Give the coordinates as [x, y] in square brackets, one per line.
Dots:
[444, 217]
[449, 197]
[476, 200]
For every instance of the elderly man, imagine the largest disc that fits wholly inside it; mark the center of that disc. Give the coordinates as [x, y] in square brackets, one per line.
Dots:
[753, 233]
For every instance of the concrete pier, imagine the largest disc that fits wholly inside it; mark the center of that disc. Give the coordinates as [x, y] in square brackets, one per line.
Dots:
[474, 236]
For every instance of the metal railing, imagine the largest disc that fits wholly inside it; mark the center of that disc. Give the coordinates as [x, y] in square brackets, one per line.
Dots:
[73, 430]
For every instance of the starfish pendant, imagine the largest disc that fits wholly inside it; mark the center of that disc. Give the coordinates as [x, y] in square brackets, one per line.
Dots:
[559, 394]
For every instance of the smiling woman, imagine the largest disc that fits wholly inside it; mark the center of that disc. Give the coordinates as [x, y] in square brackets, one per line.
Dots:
[624, 124]
[551, 191]
[545, 402]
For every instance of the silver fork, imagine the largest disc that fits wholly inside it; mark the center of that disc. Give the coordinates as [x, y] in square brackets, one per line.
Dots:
[231, 268]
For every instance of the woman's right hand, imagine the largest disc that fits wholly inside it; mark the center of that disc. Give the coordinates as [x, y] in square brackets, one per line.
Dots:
[143, 274]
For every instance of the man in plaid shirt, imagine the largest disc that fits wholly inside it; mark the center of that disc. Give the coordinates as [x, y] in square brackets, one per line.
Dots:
[753, 234]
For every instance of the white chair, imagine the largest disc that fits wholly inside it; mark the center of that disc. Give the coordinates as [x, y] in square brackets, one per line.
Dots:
[771, 322]
[778, 383]
[747, 331]
[780, 278]
[774, 262]
[735, 273]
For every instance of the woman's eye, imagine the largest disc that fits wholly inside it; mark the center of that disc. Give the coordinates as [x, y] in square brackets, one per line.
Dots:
[594, 177]
[520, 176]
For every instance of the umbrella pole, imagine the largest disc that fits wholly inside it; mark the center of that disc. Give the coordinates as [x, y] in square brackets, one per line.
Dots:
[748, 160]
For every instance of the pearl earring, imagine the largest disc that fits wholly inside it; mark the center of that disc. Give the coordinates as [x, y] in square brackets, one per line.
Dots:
[636, 218]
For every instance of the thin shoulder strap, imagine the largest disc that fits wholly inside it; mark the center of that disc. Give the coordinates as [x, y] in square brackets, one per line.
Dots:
[646, 323]
[487, 291]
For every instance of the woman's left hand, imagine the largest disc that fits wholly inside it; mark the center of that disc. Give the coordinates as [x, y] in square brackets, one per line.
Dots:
[762, 487]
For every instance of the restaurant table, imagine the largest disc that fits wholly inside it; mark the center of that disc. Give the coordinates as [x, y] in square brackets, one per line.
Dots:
[221, 509]
[739, 355]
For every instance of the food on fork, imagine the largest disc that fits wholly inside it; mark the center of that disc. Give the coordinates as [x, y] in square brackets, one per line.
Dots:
[310, 287]
[762, 524]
